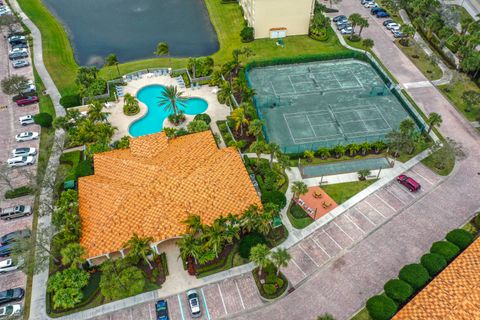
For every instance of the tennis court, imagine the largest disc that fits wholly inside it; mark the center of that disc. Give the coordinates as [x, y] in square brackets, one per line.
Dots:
[322, 104]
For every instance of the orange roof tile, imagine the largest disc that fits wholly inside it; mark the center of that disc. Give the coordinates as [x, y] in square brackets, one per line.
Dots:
[150, 188]
[454, 294]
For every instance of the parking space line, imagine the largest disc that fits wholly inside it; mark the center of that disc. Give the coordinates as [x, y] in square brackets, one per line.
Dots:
[131, 313]
[239, 294]
[404, 190]
[332, 239]
[363, 215]
[343, 231]
[150, 310]
[221, 297]
[358, 227]
[181, 307]
[304, 274]
[205, 304]
[395, 196]
[422, 177]
[385, 202]
[304, 251]
[318, 245]
[374, 208]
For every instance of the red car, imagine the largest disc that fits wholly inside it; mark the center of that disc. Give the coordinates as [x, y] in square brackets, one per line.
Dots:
[408, 182]
[27, 100]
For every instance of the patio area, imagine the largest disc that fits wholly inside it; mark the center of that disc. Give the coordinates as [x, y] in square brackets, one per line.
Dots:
[316, 203]
[122, 122]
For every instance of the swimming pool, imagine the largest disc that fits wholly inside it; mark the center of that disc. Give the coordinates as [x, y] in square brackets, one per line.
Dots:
[152, 122]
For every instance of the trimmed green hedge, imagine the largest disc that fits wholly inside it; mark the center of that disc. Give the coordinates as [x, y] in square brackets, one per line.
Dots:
[203, 116]
[381, 307]
[248, 242]
[275, 197]
[84, 168]
[43, 119]
[18, 192]
[398, 290]
[415, 275]
[461, 238]
[446, 249]
[433, 262]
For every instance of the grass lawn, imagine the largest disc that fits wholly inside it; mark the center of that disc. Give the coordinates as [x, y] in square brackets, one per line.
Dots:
[57, 51]
[454, 92]
[298, 217]
[341, 192]
[443, 172]
[362, 315]
[421, 60]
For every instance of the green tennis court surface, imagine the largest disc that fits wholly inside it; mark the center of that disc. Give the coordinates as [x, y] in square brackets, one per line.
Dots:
[344, 167]
[322, 104]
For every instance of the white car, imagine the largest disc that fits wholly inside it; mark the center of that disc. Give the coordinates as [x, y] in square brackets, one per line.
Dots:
[17, 50]
[26, 120]
[8, 265]
[370, 5]
[26, 136]
[347, 30]
[194, 303]
[10, 310]
[395, 29]
[20, 152]
[21, 161]
[391, 25]
[30, 88]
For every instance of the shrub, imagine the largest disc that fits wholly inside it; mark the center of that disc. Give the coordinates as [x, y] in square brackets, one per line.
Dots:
[43, 119]
[477, 220]
[18, 192]
[176, 119]
[414, 274]
[398, 290]
[279, 282]
[84, 168]
[203, 116]
[247, 34]
[97, 87]
[446, 249]
[248, 242]
[130, 106]
[269, 288]
[381, 307]
[70, 101]
[275, 197]
[433, 262]
[461, 238]
[197, 126]
[271, 278]
[354, 38]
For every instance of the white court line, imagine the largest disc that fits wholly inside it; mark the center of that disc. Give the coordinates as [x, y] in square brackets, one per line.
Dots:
[333, 73]
[321, 248]
[343, 231]
[304, 251]
[296, 114]
[239, 294]
[293, 87]
[360, 211]
[291, 134]
[374, 208]
[332, 239]
[274, 91]
[311, 126]
[293, 260]
[358, 227]
[381, 115]
[223, 301]
[385, 202]
[422, 177]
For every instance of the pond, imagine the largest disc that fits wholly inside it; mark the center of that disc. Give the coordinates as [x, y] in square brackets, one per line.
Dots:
[132, 29]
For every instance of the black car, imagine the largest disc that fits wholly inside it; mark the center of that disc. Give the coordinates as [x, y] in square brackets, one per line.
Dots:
[338, 18]
[20, 45]
[161, 308]
[6, 249]
[13, 236]
[11, 295]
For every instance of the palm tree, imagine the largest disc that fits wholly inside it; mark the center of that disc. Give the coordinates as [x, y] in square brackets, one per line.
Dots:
[407, 127]
[140, 247]
[363, 23]
[355, 19]
[95, 112]
[299, 188]
[248, 220]
[214, 236]
[171, 99]
[248, 94]
[283, 161]
[368, 44]
[231, 232]
[263, 221]
[379, 145]
[239, 118]
[365, 147]
[409, 31]
[434, 120]
[323, 153]
[273, 150]
[363, 174]
[162, 50]
[281, 258]
[255, 127]
[189, 247]
[194, 224]
[225, 94]
[258, 147]
[353, 148]
[259, 255]
[112, 60]
[309, 155]
[73, 254]
[339, 150]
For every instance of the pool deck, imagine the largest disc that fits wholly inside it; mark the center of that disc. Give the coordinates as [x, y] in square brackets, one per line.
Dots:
[122, 122]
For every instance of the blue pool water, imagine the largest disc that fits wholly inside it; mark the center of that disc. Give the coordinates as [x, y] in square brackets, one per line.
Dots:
[152, 122]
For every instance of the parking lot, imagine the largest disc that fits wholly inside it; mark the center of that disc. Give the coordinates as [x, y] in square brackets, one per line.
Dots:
[9, 127]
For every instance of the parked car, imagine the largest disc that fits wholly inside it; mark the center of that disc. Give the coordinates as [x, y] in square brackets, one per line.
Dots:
[6, 250]
[20, 46]
[16, 56]
[16, 38]
[10, 311]
[31, 87]
[14, 236]
[161, 308]
[20, 64]
[27, 100]
[399, 34]
[26, 120]
[370, 5]
[9, 265]
[17, 50]
[343, 26]
[347, 30]
[395, 29]
[26, 151]
[26, 136]
[408, 182]
[382, 14]
[194, 303]
[340, 22]
[11, 295]
[21, 161]
[341, 17]
[376, 9]
[15, 212]
[391, 25]
[387, 22]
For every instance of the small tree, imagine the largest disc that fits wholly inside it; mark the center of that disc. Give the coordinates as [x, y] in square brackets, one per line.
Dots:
[259, 255]
[280, 258]
[247, 34]
[363, 174]
[197, 126]
[8, 20]
[368, 44]
[273, 150]
[355, 20]
[14, 85]
[140, 248]
[73, 255]
[363, 23]
[258, 147]
[255, 128]
[434, 120]
[66, 287]
[163, 50]
[120, 279]
[470, 97]
[445, 153]
[409, 31]
[309, 155]
[299, 188]
[130, 105]
[112, 60]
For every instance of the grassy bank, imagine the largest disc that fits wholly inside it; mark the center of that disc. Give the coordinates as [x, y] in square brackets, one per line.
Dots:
[422, 61]
[57, 52]
[454, 92]
[341, 192]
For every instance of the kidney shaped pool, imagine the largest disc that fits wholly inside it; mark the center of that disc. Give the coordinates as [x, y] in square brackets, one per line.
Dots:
[152, 122]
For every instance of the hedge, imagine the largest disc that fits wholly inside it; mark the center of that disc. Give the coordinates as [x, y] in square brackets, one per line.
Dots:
[248, 242]
[275, 197]
[414, 274]
[433, 262]
[203, 116]
[381, 307]
[398, 290]
[446, 249]
[43, 119]
[18, 192]
[84, 168]
[461, 238]
[70, 101]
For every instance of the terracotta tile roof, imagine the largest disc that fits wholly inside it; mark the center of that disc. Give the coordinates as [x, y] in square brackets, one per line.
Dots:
[151, 187]
[453, 295]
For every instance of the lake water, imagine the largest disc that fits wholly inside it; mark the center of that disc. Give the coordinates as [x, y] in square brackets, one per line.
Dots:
[132, 29]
